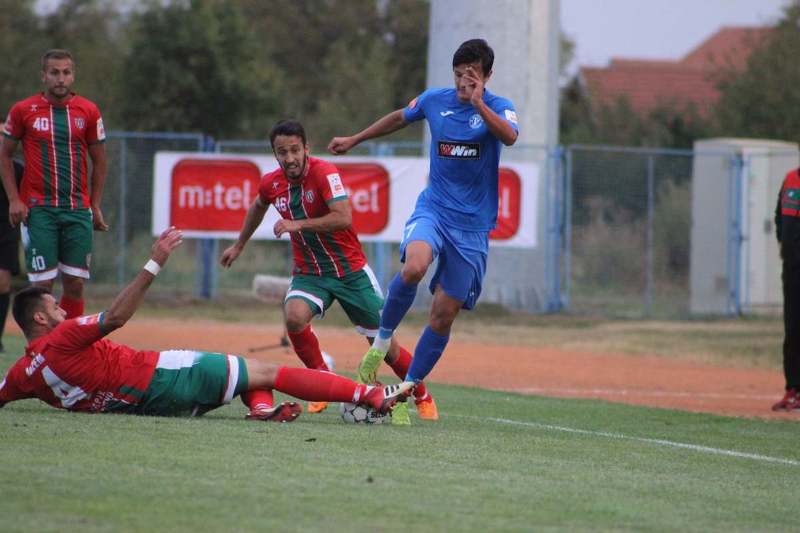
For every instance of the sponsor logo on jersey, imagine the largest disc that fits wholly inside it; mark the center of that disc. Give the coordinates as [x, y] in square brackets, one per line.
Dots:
[511, 116]
[80, 123]
[34, 107]
[101, 131]
[456, 150]
[89, 319]
[447, 113]
[38, 359]
[337, 187]
[475, 121]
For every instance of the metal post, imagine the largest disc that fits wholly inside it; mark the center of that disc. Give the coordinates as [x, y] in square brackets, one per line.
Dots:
[565, 296]
[648, 279]
[122, 222]
[735, 238]
[554, 205]
[206, 272]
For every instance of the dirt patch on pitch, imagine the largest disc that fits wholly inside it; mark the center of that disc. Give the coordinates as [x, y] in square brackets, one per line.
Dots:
[641, 380]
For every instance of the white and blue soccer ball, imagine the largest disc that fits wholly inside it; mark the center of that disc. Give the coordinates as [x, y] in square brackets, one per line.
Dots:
[360, 414]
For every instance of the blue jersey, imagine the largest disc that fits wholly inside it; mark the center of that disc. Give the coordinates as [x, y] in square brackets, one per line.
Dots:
[465, 157]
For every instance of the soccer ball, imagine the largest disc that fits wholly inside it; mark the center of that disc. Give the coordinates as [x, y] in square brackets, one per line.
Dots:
[359, 414]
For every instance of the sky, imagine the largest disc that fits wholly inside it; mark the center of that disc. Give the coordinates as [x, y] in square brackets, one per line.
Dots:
[654, 29]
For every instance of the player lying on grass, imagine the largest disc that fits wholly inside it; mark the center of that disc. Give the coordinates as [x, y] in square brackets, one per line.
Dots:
[68, 364]
[329, 263]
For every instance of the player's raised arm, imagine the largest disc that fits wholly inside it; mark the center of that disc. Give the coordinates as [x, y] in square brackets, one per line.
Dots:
[500, 127]
[383, 126]
[255, 214]
[129, 299]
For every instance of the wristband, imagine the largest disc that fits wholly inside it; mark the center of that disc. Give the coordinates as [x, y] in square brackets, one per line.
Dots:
[152, 267]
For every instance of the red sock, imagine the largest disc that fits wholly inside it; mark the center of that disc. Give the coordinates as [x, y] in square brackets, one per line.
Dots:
[306, 345]
[72, 307]
[258, 397]
[400, 368]
[316, 386]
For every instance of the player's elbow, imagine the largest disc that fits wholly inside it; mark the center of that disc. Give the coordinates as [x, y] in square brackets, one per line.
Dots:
[509, 140]
[112, 321]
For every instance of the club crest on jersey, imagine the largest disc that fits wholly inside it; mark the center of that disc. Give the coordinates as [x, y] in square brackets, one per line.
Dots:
[80, 123]
[456, 150]
[475, 121]
[309, 196]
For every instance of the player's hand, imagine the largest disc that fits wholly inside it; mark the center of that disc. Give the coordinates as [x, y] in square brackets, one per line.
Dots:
[230, 255]
[170, 239]
[477, 83]
[17, 212]
[285, 226]
[341, 145]
[97, 219]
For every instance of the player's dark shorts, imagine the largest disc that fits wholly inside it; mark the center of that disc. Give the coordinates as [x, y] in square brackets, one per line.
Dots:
[9, 248]
[461, 255]
[56, 239]
[188, 383]
[358, 293]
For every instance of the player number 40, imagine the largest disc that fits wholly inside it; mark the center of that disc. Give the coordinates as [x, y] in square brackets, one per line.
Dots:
[41, 124]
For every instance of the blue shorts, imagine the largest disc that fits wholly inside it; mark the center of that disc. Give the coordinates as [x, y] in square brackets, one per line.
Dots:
[461, 254]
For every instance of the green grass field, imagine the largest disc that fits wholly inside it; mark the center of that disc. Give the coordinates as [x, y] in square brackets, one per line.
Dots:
[494, 462]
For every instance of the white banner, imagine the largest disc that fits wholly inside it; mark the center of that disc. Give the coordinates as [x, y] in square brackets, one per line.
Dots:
[207, 195]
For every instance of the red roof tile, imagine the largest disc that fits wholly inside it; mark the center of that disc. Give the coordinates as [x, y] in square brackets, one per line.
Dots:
[649, 83]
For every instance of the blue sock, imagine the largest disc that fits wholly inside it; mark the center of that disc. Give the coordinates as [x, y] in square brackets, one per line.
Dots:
[397, 304]
[429, 350]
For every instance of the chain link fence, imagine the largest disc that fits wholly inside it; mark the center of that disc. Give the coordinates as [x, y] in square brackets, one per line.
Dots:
[625, 232]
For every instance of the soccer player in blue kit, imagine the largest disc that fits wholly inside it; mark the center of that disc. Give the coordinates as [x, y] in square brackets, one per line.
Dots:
[456, 211]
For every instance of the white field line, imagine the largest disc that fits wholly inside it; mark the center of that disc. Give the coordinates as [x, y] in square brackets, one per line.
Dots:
[657, 442]
[646, 393]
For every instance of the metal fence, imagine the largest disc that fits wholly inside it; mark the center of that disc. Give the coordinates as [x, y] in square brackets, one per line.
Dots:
[622, 231]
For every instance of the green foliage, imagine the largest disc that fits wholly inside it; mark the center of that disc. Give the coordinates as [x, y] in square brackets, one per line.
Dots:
[193, 67]
[23, 43]
[764, 100]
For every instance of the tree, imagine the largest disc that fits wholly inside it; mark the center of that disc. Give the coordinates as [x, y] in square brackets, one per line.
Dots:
[23, 42]
[195, 65]
[764, 100]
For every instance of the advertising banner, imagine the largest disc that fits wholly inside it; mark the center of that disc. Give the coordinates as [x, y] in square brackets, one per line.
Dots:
[207, 195]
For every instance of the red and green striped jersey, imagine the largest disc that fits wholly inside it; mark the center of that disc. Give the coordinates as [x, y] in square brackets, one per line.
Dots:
[74, 368]
[332, 253]
[55, 140]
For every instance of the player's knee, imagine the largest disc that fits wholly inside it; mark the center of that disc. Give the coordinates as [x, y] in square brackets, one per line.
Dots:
[296, 322]
[73, 287]
[412, 273]
[261, 374]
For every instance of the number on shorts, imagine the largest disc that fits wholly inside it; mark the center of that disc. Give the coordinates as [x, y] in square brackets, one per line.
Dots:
[37, 262]
[409, 229]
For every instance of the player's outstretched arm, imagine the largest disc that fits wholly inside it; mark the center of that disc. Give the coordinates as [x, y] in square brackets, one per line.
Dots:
[127, 302]
[255, 214]
[17, 210]
[383, 126]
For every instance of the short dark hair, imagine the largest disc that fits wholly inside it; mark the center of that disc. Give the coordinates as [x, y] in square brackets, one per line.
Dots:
[26, 303]
[288, 128]
[472, 51]
[56, 53]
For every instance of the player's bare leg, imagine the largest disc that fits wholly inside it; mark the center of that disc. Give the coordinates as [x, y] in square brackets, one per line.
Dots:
[298, 316]
[401, 293]
[72, 295]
